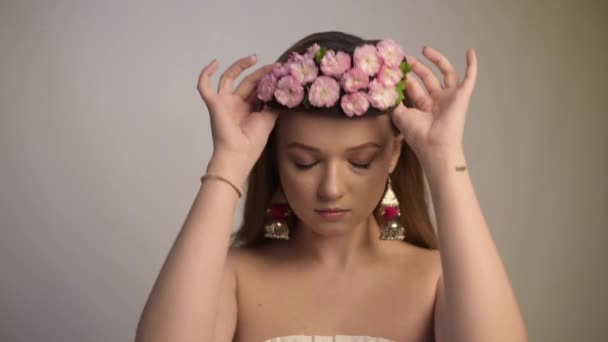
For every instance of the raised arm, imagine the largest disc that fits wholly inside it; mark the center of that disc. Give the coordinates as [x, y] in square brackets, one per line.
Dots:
[182, 306]
[475, 301]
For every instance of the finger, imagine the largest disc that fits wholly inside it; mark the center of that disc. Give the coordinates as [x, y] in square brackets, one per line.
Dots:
[406, 119]
[431, 82]
[261, 121]
[253, 102]
[226, 83]
[204, 84]
[249, 83]
[414, 90]
[470, 77]
[447, 69]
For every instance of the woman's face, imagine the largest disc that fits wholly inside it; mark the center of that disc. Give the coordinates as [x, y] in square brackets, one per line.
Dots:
[329, 162]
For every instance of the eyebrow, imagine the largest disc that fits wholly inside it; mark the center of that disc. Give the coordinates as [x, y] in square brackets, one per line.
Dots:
[314, 149]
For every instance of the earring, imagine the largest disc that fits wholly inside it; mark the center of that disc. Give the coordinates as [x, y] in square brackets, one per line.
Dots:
[277, 214]
[389, 209]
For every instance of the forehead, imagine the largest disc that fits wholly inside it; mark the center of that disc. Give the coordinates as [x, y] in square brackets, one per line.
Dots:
[326, 131]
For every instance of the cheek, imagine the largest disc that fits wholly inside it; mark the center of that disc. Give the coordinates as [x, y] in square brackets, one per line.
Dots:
[296, 186]
[370, 191]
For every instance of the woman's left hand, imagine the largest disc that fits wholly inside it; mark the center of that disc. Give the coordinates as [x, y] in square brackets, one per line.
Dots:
[436, 125]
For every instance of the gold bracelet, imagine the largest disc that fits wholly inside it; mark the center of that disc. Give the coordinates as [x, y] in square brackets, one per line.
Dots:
[223, 180]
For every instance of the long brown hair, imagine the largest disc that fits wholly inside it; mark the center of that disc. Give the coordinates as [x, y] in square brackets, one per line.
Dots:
[407, 177]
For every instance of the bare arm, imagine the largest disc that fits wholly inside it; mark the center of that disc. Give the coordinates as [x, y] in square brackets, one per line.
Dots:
[475, 301]
[183, 302]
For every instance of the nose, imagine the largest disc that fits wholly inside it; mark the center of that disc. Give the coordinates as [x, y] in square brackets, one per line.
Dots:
[331, 185]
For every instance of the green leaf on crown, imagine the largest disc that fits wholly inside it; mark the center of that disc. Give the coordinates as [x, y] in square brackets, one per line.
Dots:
[405, 67]
[401, 85]
[400, 90]
[400, 98]
[319, 55]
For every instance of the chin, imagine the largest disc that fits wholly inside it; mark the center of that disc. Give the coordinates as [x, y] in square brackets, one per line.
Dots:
[323, 228]
[330, 232]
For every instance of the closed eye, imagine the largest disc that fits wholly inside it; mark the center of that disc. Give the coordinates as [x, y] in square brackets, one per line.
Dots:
[361, 166]
[305, 166]
[309, 166]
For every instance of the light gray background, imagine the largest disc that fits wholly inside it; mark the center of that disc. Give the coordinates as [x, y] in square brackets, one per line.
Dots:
[103, 138]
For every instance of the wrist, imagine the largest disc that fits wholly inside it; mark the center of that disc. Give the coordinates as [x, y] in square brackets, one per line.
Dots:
[440, 161]
[229, 167]
[238, 191]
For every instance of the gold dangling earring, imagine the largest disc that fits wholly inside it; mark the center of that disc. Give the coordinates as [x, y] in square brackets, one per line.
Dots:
[389, 209]
[277, 214]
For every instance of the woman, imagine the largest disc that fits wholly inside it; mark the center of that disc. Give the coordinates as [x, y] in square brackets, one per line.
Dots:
[336, 242]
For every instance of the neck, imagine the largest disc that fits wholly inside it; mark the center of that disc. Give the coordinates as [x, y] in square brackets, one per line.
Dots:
[339, 251]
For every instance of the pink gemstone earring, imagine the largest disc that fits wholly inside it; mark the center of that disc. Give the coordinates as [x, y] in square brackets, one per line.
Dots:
[277, 215]
[389, 209]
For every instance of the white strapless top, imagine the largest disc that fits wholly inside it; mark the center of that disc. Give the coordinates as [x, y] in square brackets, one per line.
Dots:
[336, 338]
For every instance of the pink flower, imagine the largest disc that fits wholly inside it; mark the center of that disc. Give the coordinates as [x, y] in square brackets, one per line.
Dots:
[333, 64]
[367, 59]
[312, 50]
[294, 57]
[266, 87]
[289, 91]
[305, 71]
[390, 52]
[354, 79]
[355, 103]
[381, 97]
[280, 70]
[389, 76]
[324, 92]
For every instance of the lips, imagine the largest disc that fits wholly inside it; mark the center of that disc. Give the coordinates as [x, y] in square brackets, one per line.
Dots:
[331, 210]
[333, 214]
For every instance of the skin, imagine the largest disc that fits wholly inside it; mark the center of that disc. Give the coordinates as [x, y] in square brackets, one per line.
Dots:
[358, 286]
[472, 280]
[313, 282]
[333, 177]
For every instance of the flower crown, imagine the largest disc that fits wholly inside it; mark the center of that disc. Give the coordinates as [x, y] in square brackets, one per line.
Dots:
[316, 78]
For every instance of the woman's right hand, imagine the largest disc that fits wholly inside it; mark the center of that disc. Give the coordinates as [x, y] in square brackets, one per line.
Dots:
[239, 133]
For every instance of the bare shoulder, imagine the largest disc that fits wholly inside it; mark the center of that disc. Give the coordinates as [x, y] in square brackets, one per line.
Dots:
[431, 260]
[423, 256]
[430, 257]
[245, 258]
[241, 254]
[423, 260]
[237, 256]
